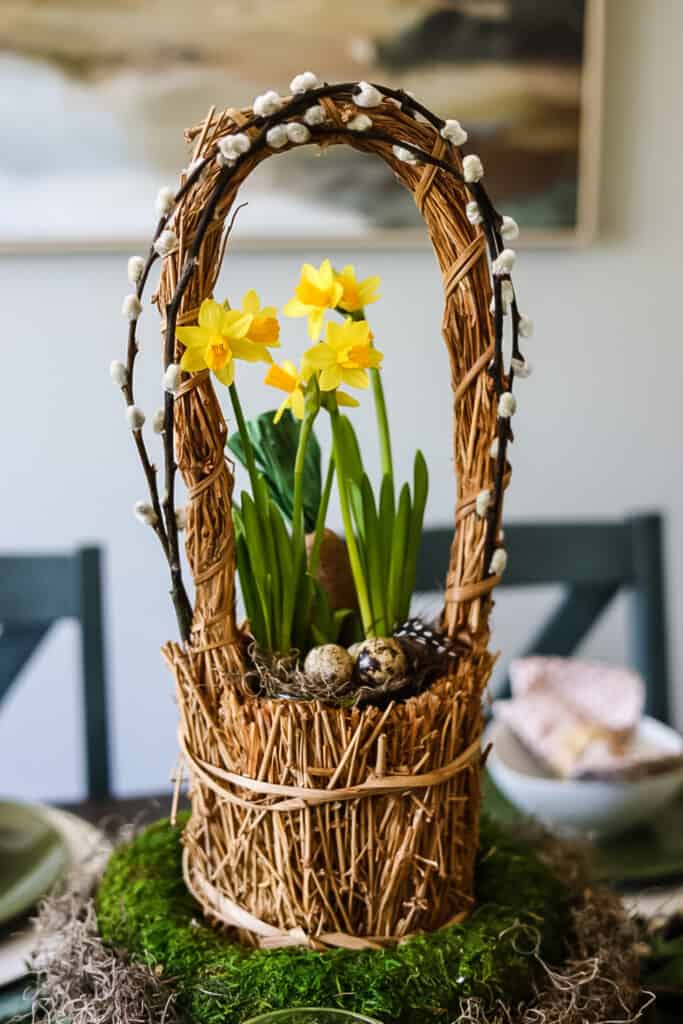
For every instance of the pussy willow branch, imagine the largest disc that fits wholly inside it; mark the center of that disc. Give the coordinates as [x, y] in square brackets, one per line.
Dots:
[491, 226]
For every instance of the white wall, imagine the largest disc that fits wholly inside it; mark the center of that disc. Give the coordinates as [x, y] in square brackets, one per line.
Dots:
[598, 427]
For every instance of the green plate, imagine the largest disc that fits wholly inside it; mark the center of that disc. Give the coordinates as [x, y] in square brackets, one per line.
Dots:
[33, 856]
[648, 855]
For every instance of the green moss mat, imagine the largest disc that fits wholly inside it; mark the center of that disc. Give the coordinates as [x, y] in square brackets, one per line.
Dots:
[144, 909]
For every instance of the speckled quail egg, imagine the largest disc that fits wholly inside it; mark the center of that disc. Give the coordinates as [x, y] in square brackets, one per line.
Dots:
[329, 665]
[380, 660]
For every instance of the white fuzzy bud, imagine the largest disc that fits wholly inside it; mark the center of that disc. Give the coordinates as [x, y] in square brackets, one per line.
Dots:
[482, 502]
[525, 326]
[158, 421]
[132, 307]
[267, 103]
[172, 377]
[145, 513]
[509, 229]
[507, 405]
[136, 265]
[367, 95]
[504, 262]
[297, 132]
[314, 116]
[225, 161]
[499, 561]
[473, 212]
[276, 137]
[166, 243]
[401, 153]
[507, 293]
[521, 367]
[135, 417]
[165, 201]
[454, 132]
[472, 168]
[181, 518]
[233, 146]
[495, 446]
[359, 123]
[303, 83]
[119, 373]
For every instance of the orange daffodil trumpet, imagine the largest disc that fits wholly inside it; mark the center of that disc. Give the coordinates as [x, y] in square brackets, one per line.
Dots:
[223, 335]
[345, 356]
[286, 377]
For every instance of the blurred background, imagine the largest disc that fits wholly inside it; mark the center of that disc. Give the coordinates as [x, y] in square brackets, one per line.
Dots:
[92, 120]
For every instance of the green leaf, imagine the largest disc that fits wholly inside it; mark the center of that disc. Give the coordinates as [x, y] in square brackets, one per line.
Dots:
[386, 520]
[398, 550]
[420, 491]
[275, 446]
[377, 581]
[250, 595]
[353, 462]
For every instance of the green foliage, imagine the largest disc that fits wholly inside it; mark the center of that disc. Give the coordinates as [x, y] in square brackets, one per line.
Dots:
[275, 447]
[269, 576]
[144, 908]
[388, 534]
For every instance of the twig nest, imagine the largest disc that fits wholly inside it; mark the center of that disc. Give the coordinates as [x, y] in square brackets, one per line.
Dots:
[329, 665]
[379, 660]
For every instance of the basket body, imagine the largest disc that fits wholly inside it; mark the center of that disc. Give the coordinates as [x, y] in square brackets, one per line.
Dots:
[333, 867]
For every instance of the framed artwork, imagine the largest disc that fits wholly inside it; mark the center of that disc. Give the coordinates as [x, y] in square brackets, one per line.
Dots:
[93, 92]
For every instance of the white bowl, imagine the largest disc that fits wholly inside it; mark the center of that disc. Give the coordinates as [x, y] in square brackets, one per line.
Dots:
[578, 805]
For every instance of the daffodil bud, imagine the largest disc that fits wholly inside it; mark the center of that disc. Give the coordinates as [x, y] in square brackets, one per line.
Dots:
[406, 155]
[297, 132]
[367, 95]
[303, 83]
[267, 103]
[473, 213]
[165, 201]
[158, 421]
[521, 367]
[472, 168]
[166, 243]
[507, 405]
[525, 326]
[359, 123]
[482, 502]
[499, 561]
[276, 137]
[509, 229]
[454, 132]
[135, 417]
[136, 265]
[145, 513]
[181, 518]
[314, 115]
[132, 307]
[495, 446]
[172, 377]
[504, 262]
[119, 373]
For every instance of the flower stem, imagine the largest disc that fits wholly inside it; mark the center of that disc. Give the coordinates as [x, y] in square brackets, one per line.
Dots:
[246, 442]
[382, 424]
[351, 545]
[314, 557]
[298, 533]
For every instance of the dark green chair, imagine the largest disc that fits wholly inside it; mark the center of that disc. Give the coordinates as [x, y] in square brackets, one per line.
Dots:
[594, 561]
[35, 592]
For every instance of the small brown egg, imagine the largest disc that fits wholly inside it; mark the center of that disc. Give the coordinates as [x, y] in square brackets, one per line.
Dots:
[379, 661]
[329, 665]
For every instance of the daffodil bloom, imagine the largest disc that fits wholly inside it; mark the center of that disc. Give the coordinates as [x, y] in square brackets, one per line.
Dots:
[220, 337]
[287, 378]
[265, 328]
[344, 356]
[357, 294]
[316, 291]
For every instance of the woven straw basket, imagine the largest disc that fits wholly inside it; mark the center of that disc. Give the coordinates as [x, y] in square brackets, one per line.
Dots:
[313, 824]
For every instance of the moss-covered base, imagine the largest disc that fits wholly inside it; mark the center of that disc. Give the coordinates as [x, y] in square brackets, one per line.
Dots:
[144, 909]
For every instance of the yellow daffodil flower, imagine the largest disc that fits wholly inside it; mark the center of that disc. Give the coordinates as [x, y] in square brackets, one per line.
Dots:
[357, 294]
[220, 337]
[287, 378]
[316, 291]
[344, 356]
[265, 328]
